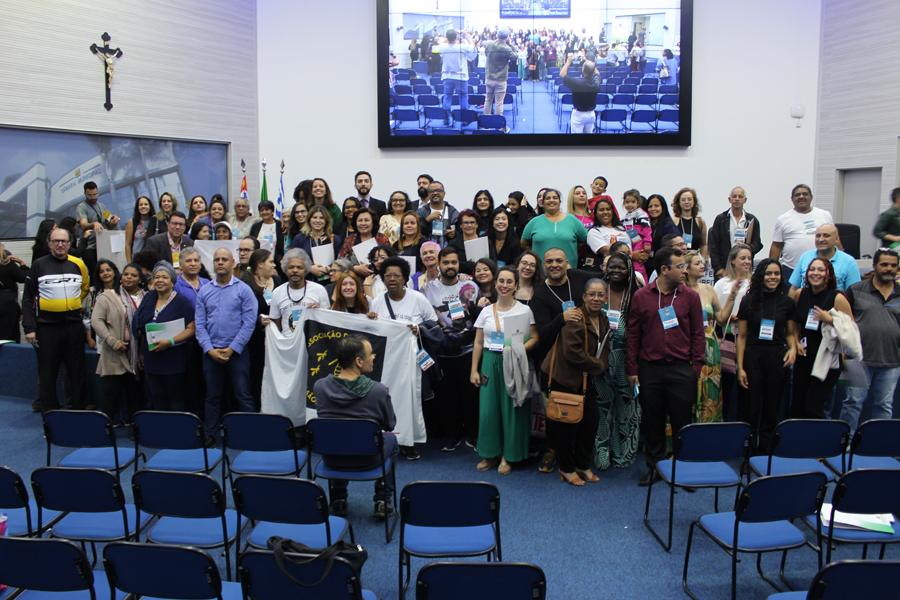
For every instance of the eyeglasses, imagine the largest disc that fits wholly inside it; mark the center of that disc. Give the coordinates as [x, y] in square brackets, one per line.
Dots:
[59, 242]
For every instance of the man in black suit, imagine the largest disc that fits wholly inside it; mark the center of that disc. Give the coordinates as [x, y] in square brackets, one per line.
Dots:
[168, 246]
[363, 183]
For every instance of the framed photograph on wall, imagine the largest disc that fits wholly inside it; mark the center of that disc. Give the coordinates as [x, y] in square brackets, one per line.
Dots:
[43, 172]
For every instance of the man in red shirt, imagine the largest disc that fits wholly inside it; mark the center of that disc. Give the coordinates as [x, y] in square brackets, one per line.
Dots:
[665, 350]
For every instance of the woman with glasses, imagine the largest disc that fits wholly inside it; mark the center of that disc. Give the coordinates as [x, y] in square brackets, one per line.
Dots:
[580, 354]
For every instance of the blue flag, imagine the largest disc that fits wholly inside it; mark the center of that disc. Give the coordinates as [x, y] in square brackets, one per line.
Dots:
[279, 204]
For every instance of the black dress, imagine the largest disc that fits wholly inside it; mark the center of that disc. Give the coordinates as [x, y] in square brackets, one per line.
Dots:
[11, 275]
[811, 394]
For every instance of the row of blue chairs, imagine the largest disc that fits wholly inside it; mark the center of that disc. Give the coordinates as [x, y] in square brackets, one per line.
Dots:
[424, 100]
[765, 510]
[436, 86]
[799, 445]
[131, 568]
[263, 443]
[616, 120]
[170, 571]
[791, 484]
[438, 519]
[625, 102]
[415, 119]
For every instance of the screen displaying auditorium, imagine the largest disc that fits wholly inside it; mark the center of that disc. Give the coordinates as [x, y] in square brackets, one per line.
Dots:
[534, 72]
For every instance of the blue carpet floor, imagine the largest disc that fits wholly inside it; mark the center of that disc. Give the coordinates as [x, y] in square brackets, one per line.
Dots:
[590, 542]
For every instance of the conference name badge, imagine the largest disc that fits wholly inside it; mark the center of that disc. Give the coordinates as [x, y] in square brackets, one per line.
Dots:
[688, 238]
[812, 322]
[614, 317]
[568, 305]
[296, 314]
[633, 234]
[668, 318]
[494, 341]
[767, 329]
[424, 360]
[437, 228]
[740, 235]
[456, 309]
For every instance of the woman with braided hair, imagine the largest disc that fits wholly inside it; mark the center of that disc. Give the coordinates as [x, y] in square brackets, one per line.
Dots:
[616, 443]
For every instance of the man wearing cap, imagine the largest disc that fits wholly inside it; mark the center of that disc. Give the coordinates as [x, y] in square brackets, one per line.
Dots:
[497, 54]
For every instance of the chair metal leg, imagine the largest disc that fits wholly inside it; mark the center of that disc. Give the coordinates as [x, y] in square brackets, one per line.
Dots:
[400, 587]
[93, 555]
[687, 555]
[865, 551]
[404, 582]
[237, 544]
[763, 575]
[667, 545]
[733, 554]
[881, 554]
[787, 584]
[716, 500]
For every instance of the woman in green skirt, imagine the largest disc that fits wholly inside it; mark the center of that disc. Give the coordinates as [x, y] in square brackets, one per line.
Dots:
[503, 428]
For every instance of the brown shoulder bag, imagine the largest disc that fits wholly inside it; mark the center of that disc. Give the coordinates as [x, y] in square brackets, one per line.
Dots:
[563, 406]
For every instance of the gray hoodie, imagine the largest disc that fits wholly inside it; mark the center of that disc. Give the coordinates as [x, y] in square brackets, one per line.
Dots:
[359, 399]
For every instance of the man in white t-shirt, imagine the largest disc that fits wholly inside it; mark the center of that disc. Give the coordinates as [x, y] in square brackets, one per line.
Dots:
[290, 299]
[407, 306]
[795, 230]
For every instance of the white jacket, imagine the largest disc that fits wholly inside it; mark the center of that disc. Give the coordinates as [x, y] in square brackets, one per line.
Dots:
[839, 336]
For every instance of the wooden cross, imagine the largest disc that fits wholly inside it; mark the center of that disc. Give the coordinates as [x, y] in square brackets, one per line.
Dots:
[107, 55]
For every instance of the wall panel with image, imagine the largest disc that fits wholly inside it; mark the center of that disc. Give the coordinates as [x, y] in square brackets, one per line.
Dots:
[42, 173]
[534, 72]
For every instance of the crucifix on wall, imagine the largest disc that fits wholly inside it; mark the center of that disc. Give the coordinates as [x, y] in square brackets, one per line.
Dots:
[107, 55]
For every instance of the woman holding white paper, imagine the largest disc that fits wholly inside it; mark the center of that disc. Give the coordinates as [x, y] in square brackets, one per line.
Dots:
[364, 233]
[503, 427]
[389, 225]
[468, 224]
[320, 243]
[411, 238]
[166, 358]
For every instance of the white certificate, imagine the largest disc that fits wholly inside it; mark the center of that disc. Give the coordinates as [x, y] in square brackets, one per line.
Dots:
[516, 327]
[163, 331]
[412, 263]
[477, 248]
[207, 248]
[362, 249]
[323, 255]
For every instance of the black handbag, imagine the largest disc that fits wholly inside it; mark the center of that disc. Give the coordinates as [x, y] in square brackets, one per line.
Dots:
[288, 551]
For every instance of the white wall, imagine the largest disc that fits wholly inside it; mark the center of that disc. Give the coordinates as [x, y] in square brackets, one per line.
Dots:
[859, 115]
[752, 61]
[188, 71]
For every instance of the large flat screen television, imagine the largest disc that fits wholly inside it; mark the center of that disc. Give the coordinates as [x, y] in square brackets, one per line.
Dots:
[561, 73]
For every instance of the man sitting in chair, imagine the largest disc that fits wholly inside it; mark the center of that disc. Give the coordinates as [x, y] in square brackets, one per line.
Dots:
[351, 394]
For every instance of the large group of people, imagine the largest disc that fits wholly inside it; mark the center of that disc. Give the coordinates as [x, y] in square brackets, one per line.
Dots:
[648, 316]
[507, 58]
